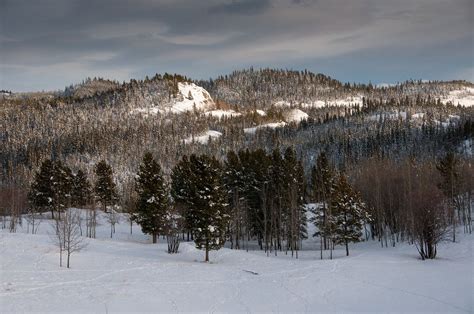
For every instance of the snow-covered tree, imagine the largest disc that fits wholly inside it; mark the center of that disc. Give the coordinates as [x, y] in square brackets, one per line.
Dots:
[153, 198]
[208, 204]
[104, 186]
[348, 214]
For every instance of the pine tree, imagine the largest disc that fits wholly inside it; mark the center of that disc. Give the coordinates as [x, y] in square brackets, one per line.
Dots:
[42, 194]
[51, 189]
[348, 214]
[81, 189]
[180, 192]
[63, 186]
[153, 198]
[105, 187]
[208, 208]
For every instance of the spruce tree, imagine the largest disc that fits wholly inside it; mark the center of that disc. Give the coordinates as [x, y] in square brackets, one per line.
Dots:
[180, 191]
[104, 186]
[81, 189]
[348, 214]
[208, 208]
[42, 193]
[153, 198]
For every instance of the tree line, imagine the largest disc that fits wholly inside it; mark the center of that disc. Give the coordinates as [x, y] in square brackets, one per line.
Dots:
[258, 200]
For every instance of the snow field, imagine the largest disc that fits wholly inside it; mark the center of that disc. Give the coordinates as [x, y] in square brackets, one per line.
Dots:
[129, 274]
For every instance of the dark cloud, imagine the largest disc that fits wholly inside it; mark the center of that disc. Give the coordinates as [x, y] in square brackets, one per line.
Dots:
[241, 7]
[47, 44]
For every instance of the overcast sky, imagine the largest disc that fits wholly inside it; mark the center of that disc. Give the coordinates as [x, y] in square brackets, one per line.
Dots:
[48, 44]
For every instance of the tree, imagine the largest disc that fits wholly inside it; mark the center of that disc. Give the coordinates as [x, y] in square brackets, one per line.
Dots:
[153, 198]
[81, 190]
[450, 185]
[429, 218]
[42, 192]
[322, 180]
[51, 188]
[348, 213]
[67, 234]
[180, 192]
[105, 187]
[207, 204]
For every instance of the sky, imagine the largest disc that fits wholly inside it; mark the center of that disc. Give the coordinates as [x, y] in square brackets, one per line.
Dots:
[48, 44]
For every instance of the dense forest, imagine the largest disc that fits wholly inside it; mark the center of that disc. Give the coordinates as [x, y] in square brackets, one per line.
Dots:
[237, 158]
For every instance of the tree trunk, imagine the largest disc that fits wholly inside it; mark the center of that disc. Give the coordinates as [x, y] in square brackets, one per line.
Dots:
[154, 237]
[207, 253]
[347, 248]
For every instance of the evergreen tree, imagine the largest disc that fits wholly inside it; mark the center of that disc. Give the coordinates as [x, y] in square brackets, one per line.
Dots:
[180, 192]
[153, 198]
[81, 189]
[322, 180]
[208, 204]
[450, 184]
[41, 194]
[348, 214]
[51, 188]
[104, 186]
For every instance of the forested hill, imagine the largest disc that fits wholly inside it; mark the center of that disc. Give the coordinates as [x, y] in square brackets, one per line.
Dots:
[172, 115]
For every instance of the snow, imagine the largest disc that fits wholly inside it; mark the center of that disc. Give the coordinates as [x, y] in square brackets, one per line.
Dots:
[341, 102]
[463, 97]
[129, 274]
[261, 112]
[147, 111]
[272, 125]
[203, 138]
[199, 100]
[295, 115]
[223, 113]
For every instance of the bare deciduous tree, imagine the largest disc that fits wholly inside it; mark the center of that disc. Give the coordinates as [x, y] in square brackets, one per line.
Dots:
[67, 234]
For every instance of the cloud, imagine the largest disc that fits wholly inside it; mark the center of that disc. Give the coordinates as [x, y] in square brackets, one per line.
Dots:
[241, 7]
[211, 37]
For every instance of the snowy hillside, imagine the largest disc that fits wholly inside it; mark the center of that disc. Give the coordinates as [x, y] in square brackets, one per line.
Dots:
[128, 274]
[192, 97]
[189, 97]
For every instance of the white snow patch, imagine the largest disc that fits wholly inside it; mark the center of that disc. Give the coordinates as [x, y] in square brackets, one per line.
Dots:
[203, 138]
[272, 125]
[463, 97]
[261, 112]
[223, 113]
[295, 115]
[194, 97]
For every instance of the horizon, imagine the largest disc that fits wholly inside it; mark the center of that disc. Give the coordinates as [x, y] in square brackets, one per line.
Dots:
[194, 80]
[48, 45]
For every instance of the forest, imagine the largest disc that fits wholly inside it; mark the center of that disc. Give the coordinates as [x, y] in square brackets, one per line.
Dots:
[388, 164]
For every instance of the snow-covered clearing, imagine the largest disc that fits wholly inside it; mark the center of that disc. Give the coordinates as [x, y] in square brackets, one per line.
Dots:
[295, 115]
[129, 274]
[203, 138]
[463, 97]
[272, 125]
[223, 113]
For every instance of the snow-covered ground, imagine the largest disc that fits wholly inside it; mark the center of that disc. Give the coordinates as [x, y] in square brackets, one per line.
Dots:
[223, 113]
[194, 97]
[295, 115]
[203, 138]
[129, 274]
[463, 97]
[272, 125]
